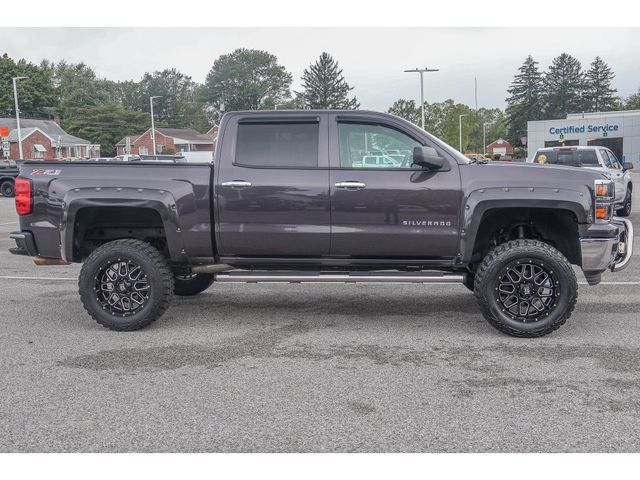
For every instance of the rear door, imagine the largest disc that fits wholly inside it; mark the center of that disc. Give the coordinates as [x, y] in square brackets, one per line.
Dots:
[272, 187]
[393, 209]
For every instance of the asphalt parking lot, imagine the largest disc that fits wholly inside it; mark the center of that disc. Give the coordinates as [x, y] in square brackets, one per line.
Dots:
[317, 368]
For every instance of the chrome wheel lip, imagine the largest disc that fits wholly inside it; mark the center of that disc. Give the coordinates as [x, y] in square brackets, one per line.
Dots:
[121, 287]
[527, 290]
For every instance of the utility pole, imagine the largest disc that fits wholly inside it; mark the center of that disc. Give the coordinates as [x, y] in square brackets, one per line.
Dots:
[460, 125]
[15, 99]
[484, 138]
[153, 128]
[421, 71]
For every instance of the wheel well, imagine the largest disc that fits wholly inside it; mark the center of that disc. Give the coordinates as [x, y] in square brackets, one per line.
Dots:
[95, 226]
[558, 228]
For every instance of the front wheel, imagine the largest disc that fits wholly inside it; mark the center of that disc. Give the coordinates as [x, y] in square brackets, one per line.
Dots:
[125, 285]
[526, 288]
[192, 284]
[7, 189]
[625, 210]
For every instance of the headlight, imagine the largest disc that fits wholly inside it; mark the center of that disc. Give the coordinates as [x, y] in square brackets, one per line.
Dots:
[604, 193]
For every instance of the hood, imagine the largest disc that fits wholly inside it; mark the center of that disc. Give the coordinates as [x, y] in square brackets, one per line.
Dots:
[521, 174]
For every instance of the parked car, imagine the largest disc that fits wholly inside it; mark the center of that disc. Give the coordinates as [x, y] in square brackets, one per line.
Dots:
[599, 159]
[282, 202]
[8, 172]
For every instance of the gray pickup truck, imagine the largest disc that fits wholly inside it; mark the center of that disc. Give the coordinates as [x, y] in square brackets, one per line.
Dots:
[291, 197]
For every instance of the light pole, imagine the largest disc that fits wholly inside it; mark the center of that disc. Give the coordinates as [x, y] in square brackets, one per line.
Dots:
[15, 98]
[460, 124]
[421, 72]
[484, 137]
[153, 128]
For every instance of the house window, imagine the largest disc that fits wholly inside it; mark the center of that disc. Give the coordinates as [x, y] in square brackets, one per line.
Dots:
[144, 151]
[38, 151]
[159, 148]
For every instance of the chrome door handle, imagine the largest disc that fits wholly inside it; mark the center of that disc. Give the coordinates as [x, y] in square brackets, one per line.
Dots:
[236, 184]
[351, 185]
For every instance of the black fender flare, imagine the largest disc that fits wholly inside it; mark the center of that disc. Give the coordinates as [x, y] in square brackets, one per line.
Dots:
[480, 201]
[161, 201]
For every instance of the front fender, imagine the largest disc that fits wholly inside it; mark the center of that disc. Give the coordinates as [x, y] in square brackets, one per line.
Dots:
[480, 201]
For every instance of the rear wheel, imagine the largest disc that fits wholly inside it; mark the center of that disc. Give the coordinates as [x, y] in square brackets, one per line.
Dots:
[187, 285]
[526, 288]
[625, 210]
[125, 285]
[7, 189]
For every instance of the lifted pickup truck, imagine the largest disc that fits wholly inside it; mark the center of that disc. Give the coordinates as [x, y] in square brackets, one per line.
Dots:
[288, 198]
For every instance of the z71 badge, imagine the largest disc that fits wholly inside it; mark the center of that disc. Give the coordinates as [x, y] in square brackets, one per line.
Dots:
[45, 171]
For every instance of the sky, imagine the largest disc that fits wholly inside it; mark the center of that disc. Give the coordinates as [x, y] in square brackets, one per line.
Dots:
[372, 58]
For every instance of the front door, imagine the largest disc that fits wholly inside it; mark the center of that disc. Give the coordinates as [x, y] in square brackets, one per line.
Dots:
[388, 208]
[272, 187]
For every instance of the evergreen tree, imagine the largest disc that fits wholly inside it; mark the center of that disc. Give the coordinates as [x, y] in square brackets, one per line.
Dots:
[325, 87]
[598, 94]
[632, 102]
[563, 86]
[526, 100]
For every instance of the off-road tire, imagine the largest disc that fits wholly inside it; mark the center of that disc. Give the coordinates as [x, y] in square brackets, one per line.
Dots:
[158, 276]
[625, 210]
[493, 267]
[187, 286]
[7, 189]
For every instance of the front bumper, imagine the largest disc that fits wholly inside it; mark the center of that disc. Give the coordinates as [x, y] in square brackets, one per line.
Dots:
[600, 254]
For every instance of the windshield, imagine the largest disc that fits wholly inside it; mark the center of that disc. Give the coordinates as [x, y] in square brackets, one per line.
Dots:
[570, 158]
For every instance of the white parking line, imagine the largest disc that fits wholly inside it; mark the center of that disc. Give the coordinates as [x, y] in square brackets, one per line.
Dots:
[9, 277]
[8, 223]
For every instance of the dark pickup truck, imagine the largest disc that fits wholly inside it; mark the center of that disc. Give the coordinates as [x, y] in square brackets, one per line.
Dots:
[324, 196]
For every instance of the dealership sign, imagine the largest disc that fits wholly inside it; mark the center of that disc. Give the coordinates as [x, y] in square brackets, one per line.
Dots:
[602, 129]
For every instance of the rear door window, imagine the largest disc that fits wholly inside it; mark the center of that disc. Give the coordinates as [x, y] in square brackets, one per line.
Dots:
[278, 144]
[570, 158]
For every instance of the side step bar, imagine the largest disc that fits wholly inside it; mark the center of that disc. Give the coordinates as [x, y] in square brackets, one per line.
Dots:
[331, 277]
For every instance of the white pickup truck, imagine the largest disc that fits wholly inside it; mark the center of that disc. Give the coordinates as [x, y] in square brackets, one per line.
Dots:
[595, 158]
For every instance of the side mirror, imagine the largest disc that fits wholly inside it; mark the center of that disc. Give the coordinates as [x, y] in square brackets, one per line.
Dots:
[428, 158]
[627, 166]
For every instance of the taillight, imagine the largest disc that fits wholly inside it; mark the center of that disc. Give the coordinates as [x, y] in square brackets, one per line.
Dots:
[24, 201]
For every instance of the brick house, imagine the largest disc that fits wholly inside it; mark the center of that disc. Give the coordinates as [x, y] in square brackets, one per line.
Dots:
[45, 139]
[168, 141]
[500, 147]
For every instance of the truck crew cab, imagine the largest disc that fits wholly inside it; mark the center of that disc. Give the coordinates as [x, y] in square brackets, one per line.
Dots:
[288, 198]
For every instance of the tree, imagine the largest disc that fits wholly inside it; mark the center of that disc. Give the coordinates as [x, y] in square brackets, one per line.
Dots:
[76, 85]
[598, 94]
[563, 85]
[37, 95]
[526, 99]
[178, 105]
[632, 102]
[406, 109]
[245, 80]
[325, 87]
[105, 124]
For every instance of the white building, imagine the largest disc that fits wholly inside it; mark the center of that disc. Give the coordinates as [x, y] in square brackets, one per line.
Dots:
[619, 131]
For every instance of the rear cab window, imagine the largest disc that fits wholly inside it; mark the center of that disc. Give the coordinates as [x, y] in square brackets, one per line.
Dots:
[290, 144]
[569, 158]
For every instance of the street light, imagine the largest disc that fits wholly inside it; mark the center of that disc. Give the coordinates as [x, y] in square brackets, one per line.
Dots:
[421, 72]
[15, 98]
[484, 137]
[153, 129]
[460, 124]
